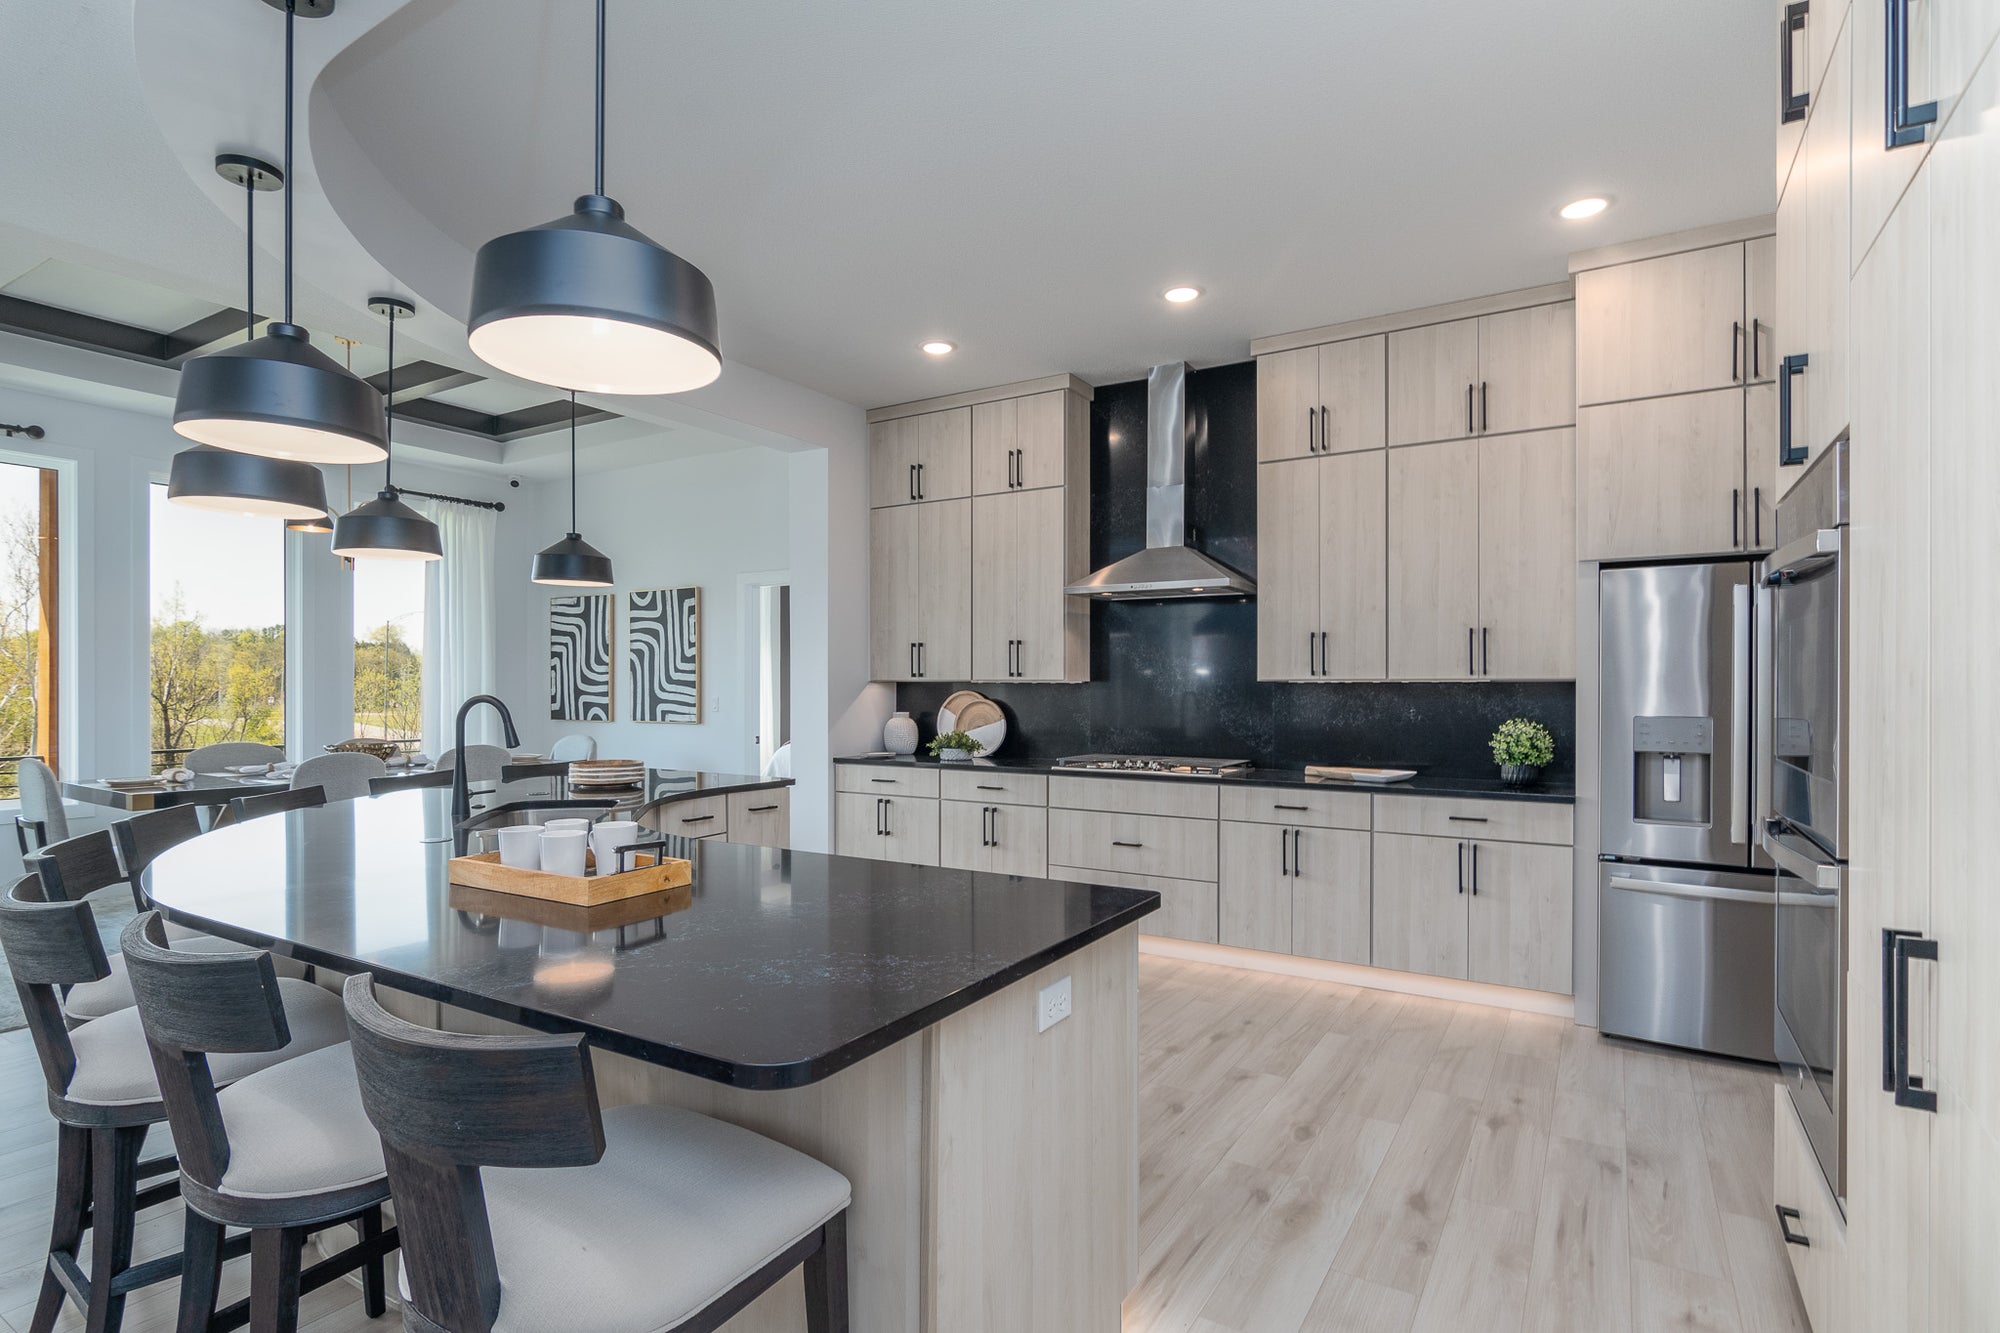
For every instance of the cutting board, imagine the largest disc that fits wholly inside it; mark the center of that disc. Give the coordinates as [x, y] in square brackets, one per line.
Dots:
[1348, 773]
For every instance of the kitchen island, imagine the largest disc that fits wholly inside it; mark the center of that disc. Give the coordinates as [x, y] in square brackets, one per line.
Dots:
[880, 1017]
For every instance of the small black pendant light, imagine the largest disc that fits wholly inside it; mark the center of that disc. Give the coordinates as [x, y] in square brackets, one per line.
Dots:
[591, 302]
[279, 396]
[385, 528]
[222, 480]
[573, 562]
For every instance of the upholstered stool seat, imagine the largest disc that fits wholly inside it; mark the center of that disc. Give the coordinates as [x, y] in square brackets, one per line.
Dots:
[298, 1129]
[95, 999]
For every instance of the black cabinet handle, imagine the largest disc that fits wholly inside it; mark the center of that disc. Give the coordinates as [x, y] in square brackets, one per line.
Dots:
[885, 779]
[1788, 454]
[987, 786]
[1898, 948]
[1736, 517]
[1471, 650]
[1116, 843]
[921, 649]
[1787, 1216]
[921, 487]
[1290, 807]
[760, 809]
[1468, 409]
[1757, 515]
[1322, 655]
[1756, 349]
[1475, 870]
[913, 659]
[1312, 431]
[1295, 854]
[1736, 349]
[1904, 123]
[1461, 867]
[1792, 104]
[1482, 407]
[1284, 851]
[1484, 669]
[879, 827]
[886, 830]
[1325, 443]
[1465, 819]
[913, 481]
[1312, 659]
[696, 819]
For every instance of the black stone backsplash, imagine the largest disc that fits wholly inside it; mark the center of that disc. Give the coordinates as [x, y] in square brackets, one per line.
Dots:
[1181, 677]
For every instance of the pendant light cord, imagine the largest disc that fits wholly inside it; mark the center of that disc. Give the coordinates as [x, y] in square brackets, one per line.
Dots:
[250, 253]
[389, 409]
[572, 451]
[600, 103]
[291, 18]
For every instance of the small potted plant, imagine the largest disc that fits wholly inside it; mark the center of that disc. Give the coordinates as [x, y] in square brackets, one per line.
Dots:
[955, 747]
[1522, 748]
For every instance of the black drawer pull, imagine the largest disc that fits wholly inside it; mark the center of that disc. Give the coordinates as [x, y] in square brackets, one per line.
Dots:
[1787, 1216]
[1116, 843]
[696, 819]
[885, 779]
[987, 786]
[1467, 819]
[760, 809]
[1291, 807]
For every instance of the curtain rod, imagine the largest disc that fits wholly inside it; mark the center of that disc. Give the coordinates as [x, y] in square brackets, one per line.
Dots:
[497, 506]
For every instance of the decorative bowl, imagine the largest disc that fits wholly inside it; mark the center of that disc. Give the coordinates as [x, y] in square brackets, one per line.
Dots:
[366, 745]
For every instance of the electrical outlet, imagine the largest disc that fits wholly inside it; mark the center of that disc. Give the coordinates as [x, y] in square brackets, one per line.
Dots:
[1052, 1006]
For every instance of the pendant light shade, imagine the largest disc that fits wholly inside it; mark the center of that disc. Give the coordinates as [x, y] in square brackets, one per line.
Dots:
[573, 562]
[319, 524]
[278, 396]
[227, 482]
[385, 528]
[591, 302]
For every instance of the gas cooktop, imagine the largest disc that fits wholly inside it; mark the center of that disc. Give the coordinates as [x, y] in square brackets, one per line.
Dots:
[1171, 765]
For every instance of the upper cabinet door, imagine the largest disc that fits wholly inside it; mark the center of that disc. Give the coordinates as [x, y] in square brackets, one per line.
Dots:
[1760, 309]
[1288, 568]
[1434, 561]
[1287, 404]
[1354, 408]
[895, 556]
[1661, 477]
[1660, 326]
[996, 584]
[1017, 444]
[1041, 611]
[892, 468]
[944, 582]
[1819, 395]
[1353, 566]
[996, 434]
[940, 444]
[1527, 369]
[1433, 382]
[1527, 556]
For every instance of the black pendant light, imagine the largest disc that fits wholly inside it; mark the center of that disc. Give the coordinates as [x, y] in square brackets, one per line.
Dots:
[222, 480]
[573, 562]
[278, 395]
[591, 302]
[385, 528]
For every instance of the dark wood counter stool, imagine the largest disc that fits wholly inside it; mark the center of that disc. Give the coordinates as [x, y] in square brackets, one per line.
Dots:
[666, 1219]
[104, 1096]
[242, 808]
[284, 1151]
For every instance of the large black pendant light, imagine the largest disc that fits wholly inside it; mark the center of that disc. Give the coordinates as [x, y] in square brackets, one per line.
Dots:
[385, 528]
[278, 395]
[591, 302]
[222, 480]
[573, 562]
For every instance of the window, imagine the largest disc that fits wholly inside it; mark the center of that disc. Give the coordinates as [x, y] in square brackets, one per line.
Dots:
[28, 620]
[389, 650]
[218, 652]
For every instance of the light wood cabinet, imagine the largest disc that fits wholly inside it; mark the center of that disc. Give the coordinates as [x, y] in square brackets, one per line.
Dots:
[887, 828]
[1760, 309]
[918, 458]
[1819, 232]
[1433, 382]
[1023, 626]
[1527, 369]
[1434, 561]
[1881, 173]
[1518, 915]
[1134, 844]
[1187, 907]
[990, 786]
[920, 572]
[1322, 559]
[1019, 443]
[1321, 400]
[1288, 566]
[704, 817]
[901, 778]
[1420, 905]
[895, 591]
[1306, 807]
[1817, 1244]
[1332, 894]
[761, 818]
[1254, 896]
[1551, 822]
[1673, 324]
[1661, 476]
[1527, 556]
[992, 837]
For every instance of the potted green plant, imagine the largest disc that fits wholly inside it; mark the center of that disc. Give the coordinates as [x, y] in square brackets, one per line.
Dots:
[1522, 748]
[955, 747]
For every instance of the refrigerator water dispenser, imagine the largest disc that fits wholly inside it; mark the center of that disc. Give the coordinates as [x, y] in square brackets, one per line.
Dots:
[1671, 760]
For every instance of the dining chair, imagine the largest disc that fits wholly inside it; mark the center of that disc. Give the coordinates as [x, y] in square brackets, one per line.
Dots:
[344, 776]
[242, 808]
[104, 1095]
[226, 754]
[661, 1219]
[284, 1151]
[42, 813]
[483, 767]
[393, 781]
[568, 749]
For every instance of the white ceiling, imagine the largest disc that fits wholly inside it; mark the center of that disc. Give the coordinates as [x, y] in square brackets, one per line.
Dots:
[1024, 179]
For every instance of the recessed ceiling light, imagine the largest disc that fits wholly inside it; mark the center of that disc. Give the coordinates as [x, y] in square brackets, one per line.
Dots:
[1578, 210]
[1181, 295]
[938, 347]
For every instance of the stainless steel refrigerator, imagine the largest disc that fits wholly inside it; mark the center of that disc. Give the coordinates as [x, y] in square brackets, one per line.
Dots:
[1686, 892]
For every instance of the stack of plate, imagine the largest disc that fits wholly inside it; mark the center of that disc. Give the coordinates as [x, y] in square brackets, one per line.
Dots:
[977, 716]
[606, 773]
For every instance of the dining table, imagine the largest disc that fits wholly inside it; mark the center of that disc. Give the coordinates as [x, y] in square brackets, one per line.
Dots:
[206, 789]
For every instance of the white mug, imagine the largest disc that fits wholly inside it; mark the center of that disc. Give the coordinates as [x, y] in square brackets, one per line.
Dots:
[562, 851]
[607, 838]
[521, 847]
[567, 826]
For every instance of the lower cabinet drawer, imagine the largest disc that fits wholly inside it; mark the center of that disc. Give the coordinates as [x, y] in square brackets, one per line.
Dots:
[700, 818]
[1453, 817]
[1187, 907]
[761, 818]
[1817, 1235]
[990, 786]
[1156, 845]
[1000, 839]
[891, 779]
[887, 828]
[1301, 806]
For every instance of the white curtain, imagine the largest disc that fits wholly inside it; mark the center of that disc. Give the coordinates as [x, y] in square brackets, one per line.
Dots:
[461, 642]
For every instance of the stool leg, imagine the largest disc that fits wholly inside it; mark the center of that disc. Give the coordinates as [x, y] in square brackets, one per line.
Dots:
[66, 1232]
[201, 1272]
[373, 1293]
[826, 1279]
[274, 1279]
[115, 1187]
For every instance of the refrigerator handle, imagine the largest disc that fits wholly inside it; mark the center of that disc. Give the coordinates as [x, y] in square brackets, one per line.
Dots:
[1739, 713]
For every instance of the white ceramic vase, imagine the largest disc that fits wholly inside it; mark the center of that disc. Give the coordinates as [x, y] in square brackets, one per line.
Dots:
[899, 734]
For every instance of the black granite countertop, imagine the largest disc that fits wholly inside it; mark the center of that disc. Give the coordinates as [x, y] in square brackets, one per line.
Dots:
[774, 969]
[1558, 792]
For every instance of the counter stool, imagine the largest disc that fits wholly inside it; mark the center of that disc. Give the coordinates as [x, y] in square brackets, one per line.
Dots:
[284, 1151]
[245, 808]
[104, 1096]
[668, 1219]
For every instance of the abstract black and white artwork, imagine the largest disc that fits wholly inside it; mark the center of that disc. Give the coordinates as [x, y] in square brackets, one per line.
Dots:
[664, 651]
[580, 658]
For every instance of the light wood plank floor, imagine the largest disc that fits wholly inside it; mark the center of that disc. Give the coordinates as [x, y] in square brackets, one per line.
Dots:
[1317, 1157]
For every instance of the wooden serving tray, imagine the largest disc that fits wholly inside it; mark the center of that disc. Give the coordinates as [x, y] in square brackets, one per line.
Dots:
[485, 872]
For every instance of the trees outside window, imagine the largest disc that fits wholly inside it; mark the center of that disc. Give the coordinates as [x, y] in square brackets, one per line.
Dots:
[389, 650]
[29, 641]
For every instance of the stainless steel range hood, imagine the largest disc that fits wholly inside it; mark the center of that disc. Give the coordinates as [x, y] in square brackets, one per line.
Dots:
[1168, 567]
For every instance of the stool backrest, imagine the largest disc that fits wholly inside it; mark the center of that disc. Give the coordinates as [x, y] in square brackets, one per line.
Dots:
[143, 837]
[225, 754]
[447, 1104]
[77, 867]
[41, 802]
[344, 776]
[275, 803]
[49, 944]
[192, 1004]
[395, 780]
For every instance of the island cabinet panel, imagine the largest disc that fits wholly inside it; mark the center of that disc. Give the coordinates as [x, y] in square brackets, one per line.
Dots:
[1668, 325]
[1187, 906]
[1305, 807]
[1434, 382]
[993, 786]
[761, 818]
[1520, 908]
[1420, 904]
[1254, 896]
[1661, 477]
[1527, 556]
[887, 779]
[1332, 894]
[703, 817]
[997, 838]
[1434, 561]
[1134, 844]
[887, 828]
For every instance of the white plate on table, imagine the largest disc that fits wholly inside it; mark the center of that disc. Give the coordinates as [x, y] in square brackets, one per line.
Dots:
[246, 770]
[134, 784]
